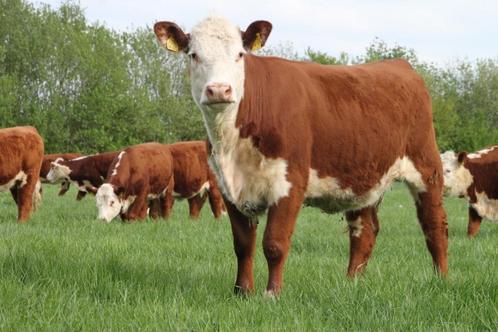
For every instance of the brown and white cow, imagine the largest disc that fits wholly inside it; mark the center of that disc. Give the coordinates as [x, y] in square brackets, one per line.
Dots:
[86, 172]
[475, 177]
[21, 155]
[194, 180]
[139, 174]
[47, 163]
[283, 132]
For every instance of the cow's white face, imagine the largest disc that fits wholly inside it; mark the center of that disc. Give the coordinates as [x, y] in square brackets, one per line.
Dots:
[457, 178]
[216, 50]
[108, 203]
[58, 172]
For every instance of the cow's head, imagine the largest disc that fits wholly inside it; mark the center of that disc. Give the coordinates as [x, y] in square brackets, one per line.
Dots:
[457, 177]
[216, 51]
[58, 171]
[108, 202]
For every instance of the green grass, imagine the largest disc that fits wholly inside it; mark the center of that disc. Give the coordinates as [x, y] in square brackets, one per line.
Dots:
[64, 270]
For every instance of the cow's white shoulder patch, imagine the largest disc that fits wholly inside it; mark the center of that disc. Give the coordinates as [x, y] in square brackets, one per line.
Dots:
[80, 158]
[486, 207]
[20, 177]
[328, 194]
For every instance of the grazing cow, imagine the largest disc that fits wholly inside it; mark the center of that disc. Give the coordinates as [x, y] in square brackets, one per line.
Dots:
[86, 172]
[21, 155]
[193, 178]
[46, 165]
[475, 177]
[140, 173]
[284, 132]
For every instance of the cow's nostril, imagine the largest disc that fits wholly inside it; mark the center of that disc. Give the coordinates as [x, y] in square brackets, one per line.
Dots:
[228, 90]
[209, 91]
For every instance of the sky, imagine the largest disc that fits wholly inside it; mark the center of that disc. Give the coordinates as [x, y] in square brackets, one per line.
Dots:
[440, 31]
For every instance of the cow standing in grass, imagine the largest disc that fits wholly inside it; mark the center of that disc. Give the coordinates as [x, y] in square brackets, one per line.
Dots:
[475, 177]
[86, 172]
[21, 156]
[139, 174]
[47, 164]
[194, 180]
[284, 132]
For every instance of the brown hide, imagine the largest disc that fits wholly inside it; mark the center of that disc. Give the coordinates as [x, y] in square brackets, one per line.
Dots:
[92, 168]
[143, 169]
[21, 149]
[484, 170]
[191, 172]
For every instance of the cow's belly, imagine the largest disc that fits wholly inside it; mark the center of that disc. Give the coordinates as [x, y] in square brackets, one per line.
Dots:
[486, 207]
[204, 187]
[20, 177]
[249, 180]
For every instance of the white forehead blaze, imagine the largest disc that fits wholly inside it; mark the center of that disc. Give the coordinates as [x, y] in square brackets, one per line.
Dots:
[217, 44]
[108, 203]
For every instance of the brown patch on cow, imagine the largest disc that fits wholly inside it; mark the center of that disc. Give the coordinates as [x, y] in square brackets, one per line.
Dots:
[21, 151]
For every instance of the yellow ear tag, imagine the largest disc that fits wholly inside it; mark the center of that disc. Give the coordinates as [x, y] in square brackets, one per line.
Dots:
[256, 45]
[172, 45]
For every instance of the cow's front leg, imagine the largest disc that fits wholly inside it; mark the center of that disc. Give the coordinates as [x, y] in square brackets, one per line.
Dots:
[474, 222]
[244, 241]
[138, 209]
[277, 238]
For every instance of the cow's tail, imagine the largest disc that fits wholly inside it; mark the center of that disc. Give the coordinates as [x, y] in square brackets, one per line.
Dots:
[37, 195]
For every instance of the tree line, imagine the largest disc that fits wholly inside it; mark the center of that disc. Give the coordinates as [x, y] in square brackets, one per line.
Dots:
[88, 88]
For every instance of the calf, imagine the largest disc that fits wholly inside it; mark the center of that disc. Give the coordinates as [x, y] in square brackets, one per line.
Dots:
[475, 177]
[46, 165]
[21, 155]
[194, 180]
[139, 173]
[283, 132]
[87, 172]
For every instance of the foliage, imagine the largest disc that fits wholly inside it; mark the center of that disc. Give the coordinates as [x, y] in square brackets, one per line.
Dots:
[88, 88]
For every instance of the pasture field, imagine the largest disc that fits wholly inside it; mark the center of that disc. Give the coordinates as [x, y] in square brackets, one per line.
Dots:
[65, 271]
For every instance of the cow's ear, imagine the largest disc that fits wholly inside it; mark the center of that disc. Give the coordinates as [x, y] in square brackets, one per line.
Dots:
[461, 157]
[171, 36]
[256, 35]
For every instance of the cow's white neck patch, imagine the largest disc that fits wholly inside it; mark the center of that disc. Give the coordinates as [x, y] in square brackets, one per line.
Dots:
[20, 177]
[81, 158]
[329, 195]
[115, 170]
[481, 153]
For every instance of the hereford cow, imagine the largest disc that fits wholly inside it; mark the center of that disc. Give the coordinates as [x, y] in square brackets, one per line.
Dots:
[47, 163]
[475, 177]
[283, 132]
[140, 173]
[193, 178]
[87, 172]
[21, 155]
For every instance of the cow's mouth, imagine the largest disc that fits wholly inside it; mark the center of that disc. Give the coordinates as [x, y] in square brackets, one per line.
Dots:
[221, 105]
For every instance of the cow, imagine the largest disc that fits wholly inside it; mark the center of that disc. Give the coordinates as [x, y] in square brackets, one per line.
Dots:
[140, 173]
[21, 155]
[194, 180]
[86, 172]
[474, 176]
[46, 165]
[286, 132]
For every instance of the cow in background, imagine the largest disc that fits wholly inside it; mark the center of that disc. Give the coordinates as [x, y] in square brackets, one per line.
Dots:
[46, 164]
[194, 180]
[86, 172]
[474, 176]
[283, 132]
[139, 174]
[21, 156]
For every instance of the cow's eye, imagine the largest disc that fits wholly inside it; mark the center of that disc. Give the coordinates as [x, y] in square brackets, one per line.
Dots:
[240, 56]
[194, 57]
[112, 203]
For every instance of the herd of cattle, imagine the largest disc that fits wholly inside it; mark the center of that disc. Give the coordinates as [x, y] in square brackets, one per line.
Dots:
[280, 134]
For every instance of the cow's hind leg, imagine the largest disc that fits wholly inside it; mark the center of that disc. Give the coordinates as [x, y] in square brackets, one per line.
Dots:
[244, 241]
[427, 189]
[25, 198]
[474, 222]
[363, 229]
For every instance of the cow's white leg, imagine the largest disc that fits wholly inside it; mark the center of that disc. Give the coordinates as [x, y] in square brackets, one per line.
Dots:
[474, 222]
[363, 228]
[277, 238]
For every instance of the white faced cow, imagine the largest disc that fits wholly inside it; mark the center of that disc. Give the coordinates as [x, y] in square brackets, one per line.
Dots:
[284, 132]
